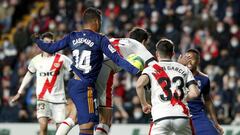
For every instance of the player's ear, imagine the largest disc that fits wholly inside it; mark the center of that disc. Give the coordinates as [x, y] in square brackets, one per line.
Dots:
[144, 42]
[173, 53]
[157, 55]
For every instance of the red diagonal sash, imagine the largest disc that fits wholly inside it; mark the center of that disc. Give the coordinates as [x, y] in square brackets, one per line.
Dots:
[48, 85]
[160, 74]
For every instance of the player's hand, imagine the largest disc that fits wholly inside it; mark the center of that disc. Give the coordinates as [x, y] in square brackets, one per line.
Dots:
[220, 129]
[184, 59]
[35, 36]
[16, 97]
[146, 108]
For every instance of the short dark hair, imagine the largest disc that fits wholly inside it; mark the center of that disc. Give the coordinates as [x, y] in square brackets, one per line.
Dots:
[91, 14]
[47, 35]
[165, 47]
[195, 51]
[139, 34]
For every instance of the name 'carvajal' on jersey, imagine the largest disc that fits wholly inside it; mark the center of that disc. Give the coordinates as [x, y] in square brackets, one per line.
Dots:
[83, 40]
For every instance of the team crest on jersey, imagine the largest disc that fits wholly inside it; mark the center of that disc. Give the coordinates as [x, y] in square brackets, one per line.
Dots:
[56, 65]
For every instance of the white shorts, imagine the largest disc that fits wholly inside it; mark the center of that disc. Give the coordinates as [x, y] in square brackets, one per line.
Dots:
[54, 111]
[177, 126]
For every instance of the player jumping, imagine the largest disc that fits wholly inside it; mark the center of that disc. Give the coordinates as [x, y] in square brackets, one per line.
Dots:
[87, 48]
[201, 122]
[169, 82]
[51, 99]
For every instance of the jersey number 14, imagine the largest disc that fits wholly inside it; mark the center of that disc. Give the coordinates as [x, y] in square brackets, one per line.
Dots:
[82, 61]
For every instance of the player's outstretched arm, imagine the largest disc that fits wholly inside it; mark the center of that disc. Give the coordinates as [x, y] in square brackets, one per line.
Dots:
[110, 52]
[27, 78]
[51, 47]
[209, 106]
[193, 92]
[142, 81]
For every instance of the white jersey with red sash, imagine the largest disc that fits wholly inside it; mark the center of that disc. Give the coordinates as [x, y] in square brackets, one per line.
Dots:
[169, 82]
[49, 76]
[125, 47]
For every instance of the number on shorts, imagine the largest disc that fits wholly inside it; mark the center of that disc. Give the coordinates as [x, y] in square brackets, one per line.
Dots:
[82, 61]
[41, 106]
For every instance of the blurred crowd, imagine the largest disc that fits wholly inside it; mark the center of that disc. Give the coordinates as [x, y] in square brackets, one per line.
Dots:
[211, 26]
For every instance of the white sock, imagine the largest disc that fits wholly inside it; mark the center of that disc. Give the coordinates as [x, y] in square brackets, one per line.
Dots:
[102, 129]
[65, 127]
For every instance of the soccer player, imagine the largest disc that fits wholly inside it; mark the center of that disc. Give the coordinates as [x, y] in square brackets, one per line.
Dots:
[125, 46]
[87, 48]
[201, 122]
[169, 82]
[51, 99]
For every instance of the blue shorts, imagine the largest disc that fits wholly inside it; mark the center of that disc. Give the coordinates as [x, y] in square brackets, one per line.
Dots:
[203, 126]
[84, 96]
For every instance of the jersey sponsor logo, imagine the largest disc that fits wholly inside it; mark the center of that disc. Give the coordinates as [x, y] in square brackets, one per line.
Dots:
[48, 85]
[43, 74]
[110, 47]
[83, 40]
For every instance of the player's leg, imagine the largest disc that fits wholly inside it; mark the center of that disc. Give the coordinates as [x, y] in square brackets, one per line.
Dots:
[182, 127]
[105, 121]
[84, 97]
[43, 121]
[70, 122]
[203, 125]
[105, 112]
[43, 115]
[58, 113]
[162, 127]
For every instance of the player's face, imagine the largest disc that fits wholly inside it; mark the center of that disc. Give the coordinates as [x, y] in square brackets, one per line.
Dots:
[193, 63]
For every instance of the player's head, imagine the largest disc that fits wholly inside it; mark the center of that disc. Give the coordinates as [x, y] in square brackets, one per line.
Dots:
[139, 34]
[165, 49]
[47, 37]
[92, 19]
[195, 59]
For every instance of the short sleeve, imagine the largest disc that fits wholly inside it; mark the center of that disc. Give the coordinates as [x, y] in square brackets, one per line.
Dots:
[140, 50]
[31, 67]
[147, 71]
[190, 78]
[67, 63]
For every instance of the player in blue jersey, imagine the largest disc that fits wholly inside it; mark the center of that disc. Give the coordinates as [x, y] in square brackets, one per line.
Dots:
[202, 124]
[87, 48]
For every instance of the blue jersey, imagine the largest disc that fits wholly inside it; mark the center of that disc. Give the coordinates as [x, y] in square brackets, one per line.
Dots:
[196, 106]
[87, 48]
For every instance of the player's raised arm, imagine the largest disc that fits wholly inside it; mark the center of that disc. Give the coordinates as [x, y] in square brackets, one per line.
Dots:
[110, 52]
[51, 47]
